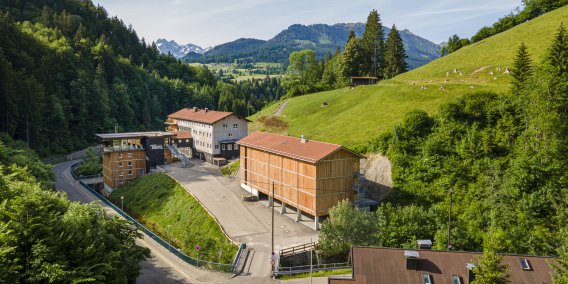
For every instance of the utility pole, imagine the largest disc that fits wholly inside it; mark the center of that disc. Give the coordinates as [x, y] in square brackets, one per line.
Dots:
[450, 221]
[311, 262]
[273, 255]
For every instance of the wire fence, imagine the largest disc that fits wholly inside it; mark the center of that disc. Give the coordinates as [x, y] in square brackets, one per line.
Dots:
[229, 268]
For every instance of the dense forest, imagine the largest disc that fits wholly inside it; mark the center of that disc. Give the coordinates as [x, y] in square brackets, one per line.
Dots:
[45, 238]
[501, 158]
[68, 70]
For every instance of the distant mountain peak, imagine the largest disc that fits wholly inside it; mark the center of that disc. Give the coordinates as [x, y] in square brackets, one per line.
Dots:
[178, 51]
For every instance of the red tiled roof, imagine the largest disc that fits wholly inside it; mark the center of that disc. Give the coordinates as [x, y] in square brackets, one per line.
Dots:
[183, 134]
[311, 151]
[200, 115]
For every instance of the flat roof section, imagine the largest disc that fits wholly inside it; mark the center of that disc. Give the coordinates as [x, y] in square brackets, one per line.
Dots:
[133, 135]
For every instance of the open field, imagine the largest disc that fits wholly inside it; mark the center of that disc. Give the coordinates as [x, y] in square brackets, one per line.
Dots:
[354, 116]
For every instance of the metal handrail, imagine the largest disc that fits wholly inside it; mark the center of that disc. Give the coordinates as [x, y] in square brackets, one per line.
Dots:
[315, 267]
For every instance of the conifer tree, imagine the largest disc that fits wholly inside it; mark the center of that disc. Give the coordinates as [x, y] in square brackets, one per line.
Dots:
[373, 45]
[395, 55]
[490, 269]
[556, 63]
[351, 63]
[522, 68]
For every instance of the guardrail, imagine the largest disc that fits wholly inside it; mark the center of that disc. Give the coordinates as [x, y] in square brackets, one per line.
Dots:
[306, 268]
[298, 249]
[229, 268]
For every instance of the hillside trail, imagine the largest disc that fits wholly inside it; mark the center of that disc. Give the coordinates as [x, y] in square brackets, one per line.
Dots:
[281, 108]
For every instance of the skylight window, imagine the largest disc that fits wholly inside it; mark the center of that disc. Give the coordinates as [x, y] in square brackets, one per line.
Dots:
[426, 278]
[525, 264]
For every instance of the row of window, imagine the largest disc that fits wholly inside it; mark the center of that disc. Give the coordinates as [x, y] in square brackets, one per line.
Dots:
[121, 174]
[223, 146]
[235, 125]
[120, 155]
[120, 164]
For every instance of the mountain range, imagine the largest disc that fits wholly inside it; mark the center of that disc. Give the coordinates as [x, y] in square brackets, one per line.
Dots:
[176, 50]
[320, 38]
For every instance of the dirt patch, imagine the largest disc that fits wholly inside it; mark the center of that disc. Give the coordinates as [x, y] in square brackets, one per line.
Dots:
[378, 175]
[274, 122]
[480, 69]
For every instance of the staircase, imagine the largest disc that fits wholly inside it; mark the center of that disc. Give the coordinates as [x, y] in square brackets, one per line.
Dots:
[185, 160]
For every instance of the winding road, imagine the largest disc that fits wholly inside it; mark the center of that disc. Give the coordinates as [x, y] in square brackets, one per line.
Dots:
[162, 267]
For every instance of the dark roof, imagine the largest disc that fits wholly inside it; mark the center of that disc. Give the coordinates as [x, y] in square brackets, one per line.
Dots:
[133, 135]
[310, 151]
[388, 265]
[366, 78]
[200, 115]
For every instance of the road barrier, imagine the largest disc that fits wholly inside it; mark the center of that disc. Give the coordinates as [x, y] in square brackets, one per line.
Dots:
[229, 268]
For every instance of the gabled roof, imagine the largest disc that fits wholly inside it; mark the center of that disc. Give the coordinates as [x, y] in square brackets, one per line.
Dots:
[310, 151]
[200, 115]
[388, 265]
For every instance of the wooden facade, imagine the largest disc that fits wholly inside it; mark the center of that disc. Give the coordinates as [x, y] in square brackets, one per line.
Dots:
[310, 187]
[121, 166]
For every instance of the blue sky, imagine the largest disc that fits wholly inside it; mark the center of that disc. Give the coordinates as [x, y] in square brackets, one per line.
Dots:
[212, 22]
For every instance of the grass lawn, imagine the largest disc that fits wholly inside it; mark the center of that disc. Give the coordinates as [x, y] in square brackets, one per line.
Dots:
[230, 169]
[317, 274]
[158, 201]
[355, 116]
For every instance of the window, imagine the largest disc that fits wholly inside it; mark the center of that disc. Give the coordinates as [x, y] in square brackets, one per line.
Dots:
[120, 174]
[525, 264]
[120, 164]
[129, 163]
[121, 182]
[426, 278]
[235, 125]
[130, 173]
[236, 146]
[456, 279]
[187, 140]
[230, 147]
[222, 146]
[129, 155]
[217, 147]
[120, 155]
[230, 134]
[224, 125]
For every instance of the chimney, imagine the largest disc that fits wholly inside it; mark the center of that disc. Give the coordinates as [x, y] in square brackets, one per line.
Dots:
[424, 244]
[303, 140]
[206, 109]
[195, 109]
[411, 258]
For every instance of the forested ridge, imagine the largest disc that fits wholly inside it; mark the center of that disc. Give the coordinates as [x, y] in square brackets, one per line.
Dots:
[68, 70]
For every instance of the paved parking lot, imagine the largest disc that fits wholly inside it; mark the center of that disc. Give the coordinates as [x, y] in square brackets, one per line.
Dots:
[248, 222]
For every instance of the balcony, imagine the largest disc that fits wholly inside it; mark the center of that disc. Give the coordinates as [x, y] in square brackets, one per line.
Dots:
[170, 122]
[122, 148]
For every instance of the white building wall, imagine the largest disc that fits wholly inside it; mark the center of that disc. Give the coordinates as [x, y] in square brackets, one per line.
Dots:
[230, 127]
[206, 136]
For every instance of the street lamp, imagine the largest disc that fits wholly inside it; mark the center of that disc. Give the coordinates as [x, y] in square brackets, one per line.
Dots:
[122, 202]
[169, 238]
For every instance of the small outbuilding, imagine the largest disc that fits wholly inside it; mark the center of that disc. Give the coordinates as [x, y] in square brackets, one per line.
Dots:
[363, 81]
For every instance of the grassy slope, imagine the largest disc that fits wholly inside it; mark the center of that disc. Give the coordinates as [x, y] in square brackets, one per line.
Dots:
[353, 116]
[158, 201]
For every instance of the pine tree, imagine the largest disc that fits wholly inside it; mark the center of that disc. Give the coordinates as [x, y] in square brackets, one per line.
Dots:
[395, 55]
[522, 69]
[373, 45]
[351, 63]
[556, 63]
[490, 269]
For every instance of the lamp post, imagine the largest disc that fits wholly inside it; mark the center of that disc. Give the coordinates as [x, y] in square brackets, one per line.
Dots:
[122, 202]
[169, 239]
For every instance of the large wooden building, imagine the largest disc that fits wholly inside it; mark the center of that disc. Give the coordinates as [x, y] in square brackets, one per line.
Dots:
[127, 156]
[309, 176]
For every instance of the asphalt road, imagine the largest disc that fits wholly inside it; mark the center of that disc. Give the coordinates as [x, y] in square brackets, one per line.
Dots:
[162, 267]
